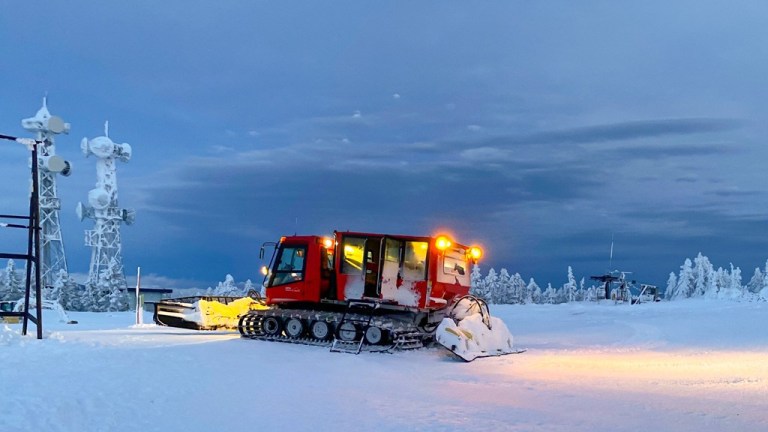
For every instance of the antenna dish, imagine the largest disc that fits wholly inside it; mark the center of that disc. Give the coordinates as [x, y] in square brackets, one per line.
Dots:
[56, 125]
[80, 212]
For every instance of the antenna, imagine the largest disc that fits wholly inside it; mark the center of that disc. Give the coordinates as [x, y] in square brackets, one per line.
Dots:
[610, 260]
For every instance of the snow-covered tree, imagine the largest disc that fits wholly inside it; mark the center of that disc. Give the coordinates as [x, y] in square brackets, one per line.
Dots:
[582, 293]
[89, 298]
[477, 283]
[590, 294]
[685, 282]
[114, 297]
[757, 282]
[671, 285]
[66, 291]
[733, 288]
[550, 295]
[248, 286]
[503, 293]
[11, 283]
[534, 291]
[704, 276]
[228, 288]
[491, 283]
[569, 289]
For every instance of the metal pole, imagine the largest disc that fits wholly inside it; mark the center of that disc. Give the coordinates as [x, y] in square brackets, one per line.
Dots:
[33, 242]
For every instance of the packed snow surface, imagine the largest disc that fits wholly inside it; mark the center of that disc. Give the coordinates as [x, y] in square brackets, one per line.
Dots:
[691, 365]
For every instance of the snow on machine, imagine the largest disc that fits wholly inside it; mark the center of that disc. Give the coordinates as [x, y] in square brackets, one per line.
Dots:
[366, 292]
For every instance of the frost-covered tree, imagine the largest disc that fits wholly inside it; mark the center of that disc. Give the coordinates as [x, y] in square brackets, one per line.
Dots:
[590, 294]
[491, 283]
[764, 289]
[66, 291]
[89, 298]
[757, 282]
[228, 288]
[503, 289]
[477, 283]
[114, 297]
[535, 292]
[550, 295]
[11, 283]
[248, 286]
[685, 282]
[671, 285]
[732, 288]
[581, 295]
[519, 289]
[704, 276]
[569, 289]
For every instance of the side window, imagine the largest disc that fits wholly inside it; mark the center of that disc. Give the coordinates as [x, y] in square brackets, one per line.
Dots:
[415, 261]
[290, 265]
[455, 264]
[352, 258]
[392, 251]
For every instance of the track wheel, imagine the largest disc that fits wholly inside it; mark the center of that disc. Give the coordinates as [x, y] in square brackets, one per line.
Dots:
[347, 332]
[272, 326]
[294, 328]
[247, 325]
[320, 330]
[374, 335]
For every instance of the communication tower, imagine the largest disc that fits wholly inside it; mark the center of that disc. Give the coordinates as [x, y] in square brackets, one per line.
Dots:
[52, 257]
[104, 239]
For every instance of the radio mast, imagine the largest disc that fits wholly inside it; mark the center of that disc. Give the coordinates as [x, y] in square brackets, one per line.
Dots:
[106, 269]
[52, 257]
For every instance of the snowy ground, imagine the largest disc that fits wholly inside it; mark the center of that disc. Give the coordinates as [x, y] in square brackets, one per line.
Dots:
[682, 366]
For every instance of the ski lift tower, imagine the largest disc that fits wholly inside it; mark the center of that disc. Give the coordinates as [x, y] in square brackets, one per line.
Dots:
[104, 239]
[52, 257]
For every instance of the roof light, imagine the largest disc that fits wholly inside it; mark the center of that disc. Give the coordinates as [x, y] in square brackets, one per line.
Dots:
[475, 253]
[327, 242]
[442, 243]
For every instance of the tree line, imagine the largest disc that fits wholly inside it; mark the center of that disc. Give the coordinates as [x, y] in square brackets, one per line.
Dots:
[78, 297]
[696, 278]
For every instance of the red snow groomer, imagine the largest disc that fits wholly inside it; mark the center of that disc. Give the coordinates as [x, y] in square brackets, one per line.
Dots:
[375, 292]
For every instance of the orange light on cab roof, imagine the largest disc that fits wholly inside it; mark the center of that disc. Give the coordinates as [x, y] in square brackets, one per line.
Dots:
[442, 242]
[475, 253]
[328, 243]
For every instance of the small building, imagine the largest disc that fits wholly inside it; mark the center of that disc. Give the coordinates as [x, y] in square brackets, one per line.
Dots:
[151, 295]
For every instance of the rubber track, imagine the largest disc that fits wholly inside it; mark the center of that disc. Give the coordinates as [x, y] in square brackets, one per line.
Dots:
[403, 335]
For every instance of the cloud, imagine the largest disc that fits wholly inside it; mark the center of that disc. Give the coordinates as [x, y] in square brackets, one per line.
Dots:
[621, 131]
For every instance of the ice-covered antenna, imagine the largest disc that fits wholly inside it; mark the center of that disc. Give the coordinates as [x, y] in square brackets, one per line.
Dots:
[45, 127]
[610, 259]
[104, 239]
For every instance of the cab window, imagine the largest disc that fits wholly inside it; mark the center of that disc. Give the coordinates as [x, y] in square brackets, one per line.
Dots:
[455, 267]
[290, 265]
[415, 260]
[352, 255]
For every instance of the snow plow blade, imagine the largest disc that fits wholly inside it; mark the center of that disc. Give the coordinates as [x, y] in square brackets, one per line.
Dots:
[204, 312]
[470, 332]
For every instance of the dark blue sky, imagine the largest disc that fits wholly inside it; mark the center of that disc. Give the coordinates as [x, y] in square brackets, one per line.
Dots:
[539, 130]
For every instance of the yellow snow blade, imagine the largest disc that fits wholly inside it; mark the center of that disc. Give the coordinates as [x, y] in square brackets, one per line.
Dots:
[219, 315]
